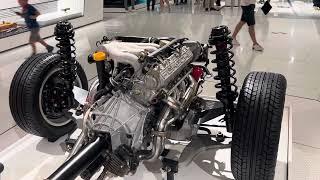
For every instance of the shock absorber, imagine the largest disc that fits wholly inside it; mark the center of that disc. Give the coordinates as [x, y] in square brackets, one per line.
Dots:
[220, 38]
[64, 34]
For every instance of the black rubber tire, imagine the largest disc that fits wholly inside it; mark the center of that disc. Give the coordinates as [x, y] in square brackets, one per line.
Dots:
[24, 96]
[257, 126]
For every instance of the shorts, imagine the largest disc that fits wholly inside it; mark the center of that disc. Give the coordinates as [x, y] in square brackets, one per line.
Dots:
[248, 14]
[34, 35]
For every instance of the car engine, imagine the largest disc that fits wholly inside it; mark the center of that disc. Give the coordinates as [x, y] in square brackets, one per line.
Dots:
[150, 86]
[146, 105]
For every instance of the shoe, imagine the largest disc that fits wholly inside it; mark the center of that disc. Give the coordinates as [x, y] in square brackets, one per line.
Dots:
[212, 9]
[50, 49]
[235, 42]
[207, 9]
[257, 47]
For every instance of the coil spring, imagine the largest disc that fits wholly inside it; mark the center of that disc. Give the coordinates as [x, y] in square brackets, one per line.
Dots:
[222, 75]
[228, 92]
[64, 34]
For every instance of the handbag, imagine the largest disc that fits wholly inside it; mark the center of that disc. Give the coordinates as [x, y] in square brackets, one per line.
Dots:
[266, 7]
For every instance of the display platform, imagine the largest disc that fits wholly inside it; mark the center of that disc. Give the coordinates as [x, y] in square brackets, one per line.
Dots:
[34, 158]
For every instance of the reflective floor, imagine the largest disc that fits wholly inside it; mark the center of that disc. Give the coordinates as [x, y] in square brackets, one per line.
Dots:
[198, 159]
[291, 48]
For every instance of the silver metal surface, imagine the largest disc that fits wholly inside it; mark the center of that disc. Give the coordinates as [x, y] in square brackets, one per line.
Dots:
[121, 116]
[165, 120]
[172, 66]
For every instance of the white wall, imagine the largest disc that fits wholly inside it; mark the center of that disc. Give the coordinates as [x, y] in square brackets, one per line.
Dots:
[14, 3]
[93, 12]
[74, 5]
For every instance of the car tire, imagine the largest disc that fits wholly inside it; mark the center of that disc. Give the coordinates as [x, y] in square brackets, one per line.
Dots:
[257, 126]
[26, 89]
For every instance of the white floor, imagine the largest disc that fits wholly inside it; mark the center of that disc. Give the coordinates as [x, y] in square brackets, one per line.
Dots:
[213, 164]
[291, 48]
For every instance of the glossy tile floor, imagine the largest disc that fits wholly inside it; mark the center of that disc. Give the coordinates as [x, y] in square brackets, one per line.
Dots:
[196, 162]
[291, 48]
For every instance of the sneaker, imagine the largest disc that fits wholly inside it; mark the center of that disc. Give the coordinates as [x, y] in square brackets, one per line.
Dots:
[50, 49]
[257, 47]
[235, 42]
[207, 9]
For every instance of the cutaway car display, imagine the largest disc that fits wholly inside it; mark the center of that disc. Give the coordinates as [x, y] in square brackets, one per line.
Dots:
[146, 96]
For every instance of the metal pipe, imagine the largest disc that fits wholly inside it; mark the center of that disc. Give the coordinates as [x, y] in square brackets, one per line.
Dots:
[190, 92]
[81, 160]
[180, 81]
[158, 141]
[81, 137]
[164, 122]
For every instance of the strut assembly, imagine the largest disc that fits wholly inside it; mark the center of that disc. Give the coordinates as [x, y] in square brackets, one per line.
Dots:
[64, 33]
[220, 38]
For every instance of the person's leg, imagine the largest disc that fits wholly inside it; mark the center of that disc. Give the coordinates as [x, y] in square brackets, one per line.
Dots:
[253, 34]
[132, 4]
[47, 46]
[125, 4]
[251, 23]
[161, 5]
[243, 20]
[41, 41]
[237, 29]
[34, 49]
[206, 4]
[148, 5]
[212, 5]
[32, 41]
[168, 4]
[218, 3]
[153, 4]
[37, 38]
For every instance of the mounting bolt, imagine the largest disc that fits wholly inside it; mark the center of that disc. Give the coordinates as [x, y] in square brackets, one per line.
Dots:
[220, 137]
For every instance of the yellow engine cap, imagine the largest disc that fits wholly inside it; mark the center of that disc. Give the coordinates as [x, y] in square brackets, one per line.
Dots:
[99, 56]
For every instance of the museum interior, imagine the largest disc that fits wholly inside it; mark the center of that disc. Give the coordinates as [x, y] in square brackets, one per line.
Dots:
[159, 89]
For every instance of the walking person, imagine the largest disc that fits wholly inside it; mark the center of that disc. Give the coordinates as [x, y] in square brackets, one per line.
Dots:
[162, 5]
[247, 17]
[209, 4]
[316, 4]
[152, 6]
[30, 14]
[183, 2]
[126, 4]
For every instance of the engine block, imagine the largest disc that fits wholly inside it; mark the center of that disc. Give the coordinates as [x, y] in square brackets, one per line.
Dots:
[163, 72]
[172, 66]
